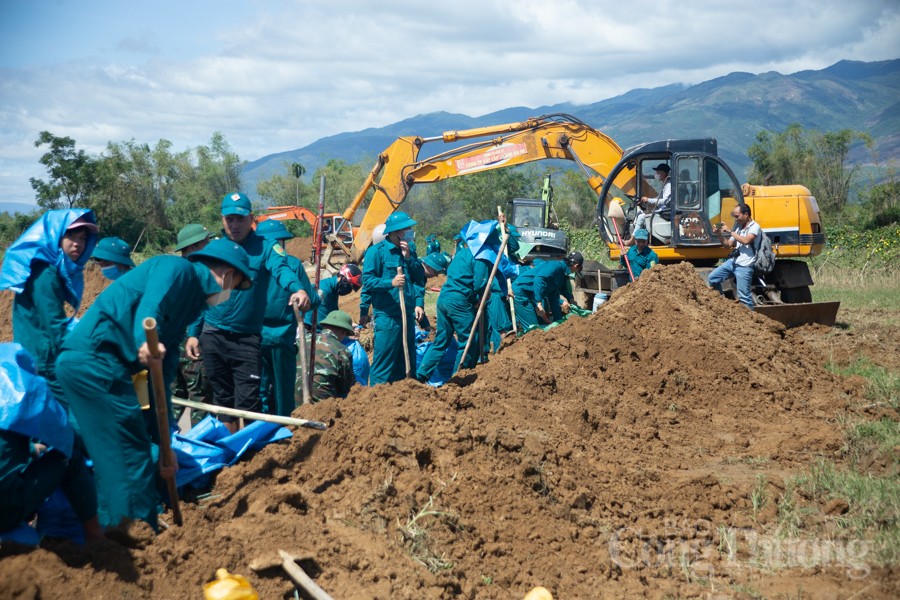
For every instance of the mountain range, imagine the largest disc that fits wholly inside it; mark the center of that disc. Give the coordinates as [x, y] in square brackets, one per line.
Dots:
[862, 96]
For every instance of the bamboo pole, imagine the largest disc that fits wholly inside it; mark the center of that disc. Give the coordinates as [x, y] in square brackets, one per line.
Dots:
[234, 412]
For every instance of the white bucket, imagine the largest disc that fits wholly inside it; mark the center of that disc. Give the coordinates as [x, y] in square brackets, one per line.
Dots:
[598, 300]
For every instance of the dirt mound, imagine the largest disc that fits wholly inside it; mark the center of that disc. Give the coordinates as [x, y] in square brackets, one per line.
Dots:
[559, 463]
[94, 283]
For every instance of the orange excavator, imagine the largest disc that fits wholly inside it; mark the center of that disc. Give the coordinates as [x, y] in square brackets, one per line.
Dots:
[338, 233]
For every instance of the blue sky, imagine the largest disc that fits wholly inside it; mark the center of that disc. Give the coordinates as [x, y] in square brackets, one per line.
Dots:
[275, 75]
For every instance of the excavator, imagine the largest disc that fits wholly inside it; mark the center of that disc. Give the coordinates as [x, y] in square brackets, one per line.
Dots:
[704, 192]
[708, 192]
[338, 233]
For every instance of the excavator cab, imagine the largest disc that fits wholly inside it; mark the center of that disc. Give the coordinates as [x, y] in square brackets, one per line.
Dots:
[704, 190]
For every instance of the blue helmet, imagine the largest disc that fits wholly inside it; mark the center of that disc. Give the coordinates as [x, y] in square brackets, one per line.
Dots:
[397, 221]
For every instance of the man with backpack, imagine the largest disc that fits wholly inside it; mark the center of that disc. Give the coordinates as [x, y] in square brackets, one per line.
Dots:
[741, 263]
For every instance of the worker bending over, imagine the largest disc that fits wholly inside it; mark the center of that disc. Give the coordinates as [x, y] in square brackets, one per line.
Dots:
[108, 347]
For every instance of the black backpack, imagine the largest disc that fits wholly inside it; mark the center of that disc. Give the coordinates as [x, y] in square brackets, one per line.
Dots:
[765, 255]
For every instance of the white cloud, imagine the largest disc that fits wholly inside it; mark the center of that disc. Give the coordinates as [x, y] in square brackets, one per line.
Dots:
[281, 74]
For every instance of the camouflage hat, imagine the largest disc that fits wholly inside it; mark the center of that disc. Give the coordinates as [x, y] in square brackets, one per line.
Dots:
[339, 319]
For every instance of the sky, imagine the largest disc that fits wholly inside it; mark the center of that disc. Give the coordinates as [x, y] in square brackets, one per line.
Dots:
[275, 75]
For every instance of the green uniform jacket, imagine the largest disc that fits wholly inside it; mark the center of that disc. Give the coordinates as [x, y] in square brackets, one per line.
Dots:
[39, 316]
[170, 289]
[551, 280]
[244, 311]
[380, 268]
[326, 299]
[279, 322]
[467, 276]
[640, 261]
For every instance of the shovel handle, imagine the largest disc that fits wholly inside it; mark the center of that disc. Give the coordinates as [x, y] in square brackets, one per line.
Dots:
[162, 414]
[402, 295]
[304, 362]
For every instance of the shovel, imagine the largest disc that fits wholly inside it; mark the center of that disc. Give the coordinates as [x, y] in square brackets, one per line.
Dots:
[304, 385]
[403, 320]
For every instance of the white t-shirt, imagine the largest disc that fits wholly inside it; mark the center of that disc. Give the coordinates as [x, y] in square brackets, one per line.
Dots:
[747, 252]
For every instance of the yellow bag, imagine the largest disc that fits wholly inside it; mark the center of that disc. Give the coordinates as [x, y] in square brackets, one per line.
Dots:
[229, 587]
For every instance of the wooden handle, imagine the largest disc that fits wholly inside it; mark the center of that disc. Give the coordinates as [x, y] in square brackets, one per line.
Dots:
[403, 320]
[304, 363]
[162, 414]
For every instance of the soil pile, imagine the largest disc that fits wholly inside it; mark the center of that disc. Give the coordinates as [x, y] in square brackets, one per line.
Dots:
[94, 283]
[556, 464]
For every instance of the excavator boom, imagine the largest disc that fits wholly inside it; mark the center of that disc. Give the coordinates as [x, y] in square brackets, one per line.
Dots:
[398, 168]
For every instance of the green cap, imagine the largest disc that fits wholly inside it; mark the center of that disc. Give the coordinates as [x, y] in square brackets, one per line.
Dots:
[397, 221]
[114, 250]
[191, 234]
[340, 319]
[236, 204]
[229, 252]
[437, 261]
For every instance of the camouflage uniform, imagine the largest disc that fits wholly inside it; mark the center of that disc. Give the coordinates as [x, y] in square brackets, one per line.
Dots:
[332, 372]
[190, 383]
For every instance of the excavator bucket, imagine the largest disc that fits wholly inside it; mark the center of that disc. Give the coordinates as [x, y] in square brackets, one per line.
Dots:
[794, 315]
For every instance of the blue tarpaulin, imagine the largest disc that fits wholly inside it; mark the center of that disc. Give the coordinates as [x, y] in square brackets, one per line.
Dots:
[208, 447]
[26, 405]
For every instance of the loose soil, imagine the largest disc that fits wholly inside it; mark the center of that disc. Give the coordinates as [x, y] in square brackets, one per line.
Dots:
[597, 459]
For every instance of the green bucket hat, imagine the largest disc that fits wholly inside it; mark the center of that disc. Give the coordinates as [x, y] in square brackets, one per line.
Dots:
[114, 250]
[437, 261]
[191, 234]
[226, 251]
[397, 221]
[338, 318]
[273, 230]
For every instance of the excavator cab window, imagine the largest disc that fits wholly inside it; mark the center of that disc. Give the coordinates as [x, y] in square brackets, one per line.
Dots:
[722, 192]
[528, 215]
[687, 183]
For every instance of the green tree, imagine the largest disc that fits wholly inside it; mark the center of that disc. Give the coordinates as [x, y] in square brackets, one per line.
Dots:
[73, 174]
[810, 158]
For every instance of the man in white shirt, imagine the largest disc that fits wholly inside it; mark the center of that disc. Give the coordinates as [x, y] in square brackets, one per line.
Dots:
[742, 260]
[658, 205]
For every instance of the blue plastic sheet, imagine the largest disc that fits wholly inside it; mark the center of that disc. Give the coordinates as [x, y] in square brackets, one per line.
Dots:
[446, 368]
[26, 405]
[360, 360]
[57, 519]
[204, 449]
[483, 239]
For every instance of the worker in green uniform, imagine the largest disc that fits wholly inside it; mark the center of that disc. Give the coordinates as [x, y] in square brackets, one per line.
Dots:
[114, 257]
[347, 280]
[389, 267]
[523, 299]
[333, 368]
[499, 320]
[551, 280]
[37, 449]
[640, 256]
[279, 331]
[108, 347]
[467, 279]
[45, 268]
[230, 334]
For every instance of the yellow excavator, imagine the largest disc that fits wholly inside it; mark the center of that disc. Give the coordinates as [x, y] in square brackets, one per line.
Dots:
[705, 191]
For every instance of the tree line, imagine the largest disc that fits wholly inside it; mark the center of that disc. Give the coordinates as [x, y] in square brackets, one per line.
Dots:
[144, 194]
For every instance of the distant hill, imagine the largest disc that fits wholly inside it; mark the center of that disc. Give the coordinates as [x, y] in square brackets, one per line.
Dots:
[734, 108]
[17, 207]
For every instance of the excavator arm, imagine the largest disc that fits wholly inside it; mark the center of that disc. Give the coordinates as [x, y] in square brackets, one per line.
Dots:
[398, 169]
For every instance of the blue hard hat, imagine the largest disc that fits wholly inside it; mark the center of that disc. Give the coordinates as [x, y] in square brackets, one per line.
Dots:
[397, 221]
[226, 251]
[273, 230]
[642, 234]
[115, 250]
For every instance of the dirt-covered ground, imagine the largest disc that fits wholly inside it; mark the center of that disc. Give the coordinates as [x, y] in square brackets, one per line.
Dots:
[613, 456]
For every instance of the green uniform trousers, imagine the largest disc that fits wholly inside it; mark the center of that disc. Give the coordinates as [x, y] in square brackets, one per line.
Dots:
[277, 378]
